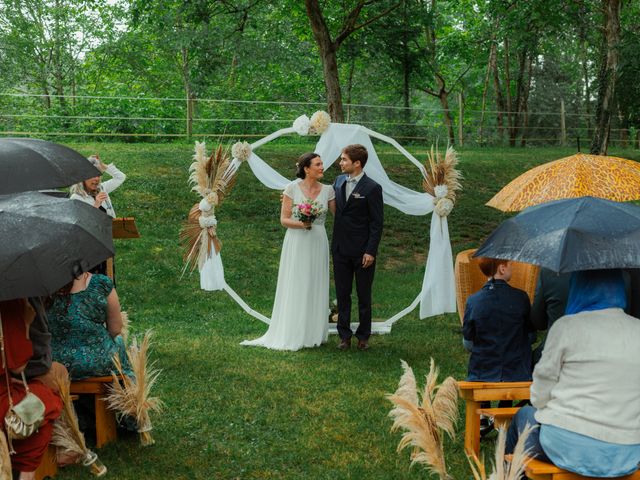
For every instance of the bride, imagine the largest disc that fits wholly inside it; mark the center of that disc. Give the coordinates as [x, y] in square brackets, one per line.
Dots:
[301, 308]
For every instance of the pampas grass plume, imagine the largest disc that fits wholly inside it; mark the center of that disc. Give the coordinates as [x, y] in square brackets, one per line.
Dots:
[425, 417]
[132, 396]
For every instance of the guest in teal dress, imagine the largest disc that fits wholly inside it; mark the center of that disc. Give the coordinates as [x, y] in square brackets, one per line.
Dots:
[85, 324]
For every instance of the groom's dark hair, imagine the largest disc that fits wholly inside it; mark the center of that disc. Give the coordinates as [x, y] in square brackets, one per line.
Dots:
[357, 152]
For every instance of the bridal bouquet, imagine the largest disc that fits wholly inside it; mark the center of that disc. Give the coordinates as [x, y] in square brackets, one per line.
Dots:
[307, 212]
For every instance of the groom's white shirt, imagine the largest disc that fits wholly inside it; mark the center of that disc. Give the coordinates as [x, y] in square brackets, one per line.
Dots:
[351, 184]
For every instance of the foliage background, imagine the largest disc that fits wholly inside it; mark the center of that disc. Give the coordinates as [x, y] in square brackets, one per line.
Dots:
[126, 68]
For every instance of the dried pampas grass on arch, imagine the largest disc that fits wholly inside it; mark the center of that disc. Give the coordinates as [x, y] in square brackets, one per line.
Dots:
[213, 179]
[442, 171]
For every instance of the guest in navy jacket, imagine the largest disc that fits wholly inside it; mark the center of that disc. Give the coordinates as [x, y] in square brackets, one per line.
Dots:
[496, 327]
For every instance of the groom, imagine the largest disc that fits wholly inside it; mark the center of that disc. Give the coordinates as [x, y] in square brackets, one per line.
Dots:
[356, 234]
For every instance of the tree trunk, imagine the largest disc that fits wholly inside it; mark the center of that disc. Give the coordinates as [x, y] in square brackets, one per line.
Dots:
[352, 69]
[623, 128]
[448, 121]
[607, 77]
[490, 62]
[186, 81]
[584, 61]
[524, 102]
[406, 70]
[520, 94]
[507, 86]
[329, 60]
[58, 74]
[332, 85]
[499, 97]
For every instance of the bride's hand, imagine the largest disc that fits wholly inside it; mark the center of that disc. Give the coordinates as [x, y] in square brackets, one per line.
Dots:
[307, 225]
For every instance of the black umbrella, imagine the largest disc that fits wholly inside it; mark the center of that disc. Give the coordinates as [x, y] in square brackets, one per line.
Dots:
[45, 241]
[584, 233]
[29, 164]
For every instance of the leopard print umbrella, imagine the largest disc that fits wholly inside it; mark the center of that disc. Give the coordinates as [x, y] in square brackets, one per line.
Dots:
[579, 175]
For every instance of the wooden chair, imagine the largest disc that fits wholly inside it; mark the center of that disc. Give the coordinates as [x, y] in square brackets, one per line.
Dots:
[501, 416]
[48, 465]
[469, 278]
[475, 392]
[105, 418]
[538, 470]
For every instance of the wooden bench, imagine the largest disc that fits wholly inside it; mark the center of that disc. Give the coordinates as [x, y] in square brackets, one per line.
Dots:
[475, 392]
[105, 418]
[538, 470]
[501, 416]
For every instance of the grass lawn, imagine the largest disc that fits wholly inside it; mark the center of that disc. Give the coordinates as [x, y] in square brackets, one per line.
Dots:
[238, 412]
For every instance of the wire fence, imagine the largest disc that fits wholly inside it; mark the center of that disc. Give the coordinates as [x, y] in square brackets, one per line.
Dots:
[131, 119]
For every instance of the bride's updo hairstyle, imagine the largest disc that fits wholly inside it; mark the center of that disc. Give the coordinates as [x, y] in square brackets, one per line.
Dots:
[304, 162]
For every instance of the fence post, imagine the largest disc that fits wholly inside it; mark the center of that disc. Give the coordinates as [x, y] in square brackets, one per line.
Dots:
[189, 116]
[563, 126]
[460, 119]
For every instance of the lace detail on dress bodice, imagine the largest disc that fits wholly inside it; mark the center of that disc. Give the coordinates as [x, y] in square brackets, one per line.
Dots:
[294, 191]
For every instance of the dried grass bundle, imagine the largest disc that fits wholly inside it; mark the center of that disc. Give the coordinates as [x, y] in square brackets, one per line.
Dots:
[132, 396]
[5, 459]
[207, 175]
[198, 242]
[503, 470]
[442, 172]
[66, 431]
[212, 178]
[124, 332]
[425, 419]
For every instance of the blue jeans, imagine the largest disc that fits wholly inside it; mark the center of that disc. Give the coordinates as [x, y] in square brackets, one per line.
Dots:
[524, 417]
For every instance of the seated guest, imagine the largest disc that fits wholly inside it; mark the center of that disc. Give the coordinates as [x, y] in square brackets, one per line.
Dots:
[633, 307]
[552, 292]
[549, 302]
[40, 366]
[85, 323]
[16, 316]
[586, 385]
[496, 328]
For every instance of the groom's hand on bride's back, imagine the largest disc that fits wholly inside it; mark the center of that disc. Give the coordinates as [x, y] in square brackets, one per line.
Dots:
[367, 260]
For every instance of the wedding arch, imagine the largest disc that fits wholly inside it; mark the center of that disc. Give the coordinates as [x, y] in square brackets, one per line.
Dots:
[437, 294]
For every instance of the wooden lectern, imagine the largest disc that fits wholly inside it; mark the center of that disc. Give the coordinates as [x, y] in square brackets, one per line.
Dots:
[123, 227]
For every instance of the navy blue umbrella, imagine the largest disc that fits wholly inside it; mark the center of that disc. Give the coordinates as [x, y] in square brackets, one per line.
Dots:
[46, 241]
[28, 164]
[584, 233]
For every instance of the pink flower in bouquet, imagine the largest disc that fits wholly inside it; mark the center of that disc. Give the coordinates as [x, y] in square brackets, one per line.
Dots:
[307, 211]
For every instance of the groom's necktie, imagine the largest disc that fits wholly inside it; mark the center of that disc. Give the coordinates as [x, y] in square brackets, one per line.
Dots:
[351, 184]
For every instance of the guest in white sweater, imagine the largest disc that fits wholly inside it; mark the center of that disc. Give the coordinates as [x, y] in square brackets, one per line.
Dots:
[586, 387]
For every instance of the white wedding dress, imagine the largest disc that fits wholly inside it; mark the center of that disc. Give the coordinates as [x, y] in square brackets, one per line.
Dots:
[300, 316]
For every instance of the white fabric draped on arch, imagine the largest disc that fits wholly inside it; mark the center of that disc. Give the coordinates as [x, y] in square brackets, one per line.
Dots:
[437, 294]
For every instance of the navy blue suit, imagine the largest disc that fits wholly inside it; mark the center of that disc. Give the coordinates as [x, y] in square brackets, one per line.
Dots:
[357, 230]
[496, 320]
